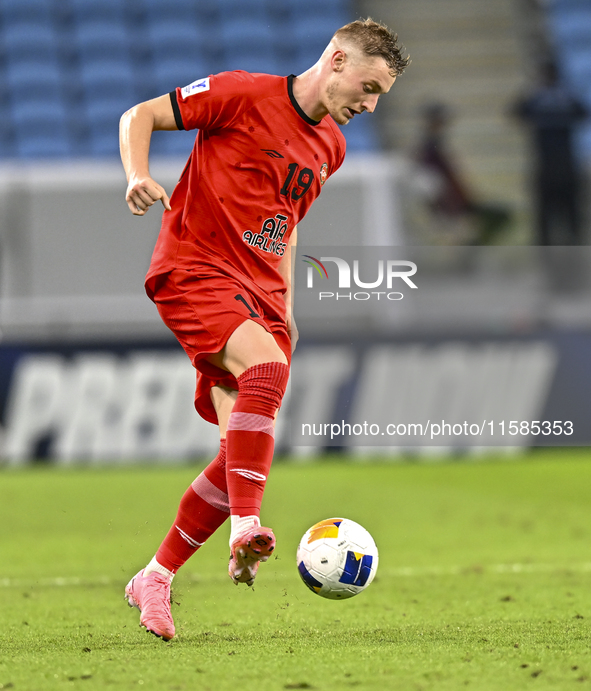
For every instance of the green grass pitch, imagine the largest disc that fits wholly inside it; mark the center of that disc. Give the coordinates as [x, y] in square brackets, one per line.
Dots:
[484, 581]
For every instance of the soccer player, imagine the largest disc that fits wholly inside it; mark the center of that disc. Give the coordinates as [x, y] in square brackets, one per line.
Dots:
[221, 271]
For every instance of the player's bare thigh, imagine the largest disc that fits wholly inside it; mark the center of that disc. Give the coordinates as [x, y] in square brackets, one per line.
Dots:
[250, 344]
[223, 400]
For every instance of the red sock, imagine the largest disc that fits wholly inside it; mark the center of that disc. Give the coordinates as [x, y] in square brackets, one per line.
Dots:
[250, 435]
[203, 508]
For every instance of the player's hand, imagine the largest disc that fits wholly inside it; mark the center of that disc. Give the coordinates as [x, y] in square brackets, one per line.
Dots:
[142, 193]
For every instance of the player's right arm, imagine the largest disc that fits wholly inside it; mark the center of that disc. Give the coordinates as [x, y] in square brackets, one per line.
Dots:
[135, 132]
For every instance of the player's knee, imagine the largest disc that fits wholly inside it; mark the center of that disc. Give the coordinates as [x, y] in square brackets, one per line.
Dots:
[263, 387]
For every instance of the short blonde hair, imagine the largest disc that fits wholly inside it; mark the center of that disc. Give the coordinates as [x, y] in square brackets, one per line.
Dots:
[376, 40]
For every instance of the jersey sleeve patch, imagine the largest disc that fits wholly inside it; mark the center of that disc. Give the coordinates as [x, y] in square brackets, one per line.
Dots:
[196, 87]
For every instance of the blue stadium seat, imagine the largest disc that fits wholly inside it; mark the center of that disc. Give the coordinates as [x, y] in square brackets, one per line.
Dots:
[572, 53]
[168, 74]
[105, 114]
[174, 39]
[109, 90]
[13, 11]
[301, 61]
[81, 54]
[360, 134]
[24, 113]
[241, 10]
[6, 138]
[577, 68]
[6, 147]
[30, 41]
[265, 63]
[285, 64]
[103, 144]
[313, 8]
[87, 10]
[30, 80]
[176, 10]
[314, 31]
[108, 79]
[102, 38]
[102, 119]
[331, 14]
[308, 38]
[573, 27]
[570, 24]
[565, 5]
[247, 43]
[247, 33]
[176, 143]
[41, 129]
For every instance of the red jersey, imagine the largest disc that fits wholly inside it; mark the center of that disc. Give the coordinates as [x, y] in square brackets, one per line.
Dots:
[257, 165]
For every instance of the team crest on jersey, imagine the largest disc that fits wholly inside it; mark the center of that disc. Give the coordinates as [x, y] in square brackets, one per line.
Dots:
[323, 173]
[195, 88]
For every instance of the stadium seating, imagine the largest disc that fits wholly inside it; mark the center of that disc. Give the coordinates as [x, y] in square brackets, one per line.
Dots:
[573, 27]
[157, 11]
[13, 11]
[570, 25]
[308, 38]
[41, 129]
[93, 59]
[30, 41]
[32, 79]
[99, 38]
[107, 79]
[359, 136]
[87, 10]
[172, 143]
[173, 72]
[248, 44]
[180, 52]
[175, 38]
[310, 7]
[230, 10]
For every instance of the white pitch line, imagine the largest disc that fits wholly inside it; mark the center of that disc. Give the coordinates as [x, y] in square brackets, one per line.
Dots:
[401, 572]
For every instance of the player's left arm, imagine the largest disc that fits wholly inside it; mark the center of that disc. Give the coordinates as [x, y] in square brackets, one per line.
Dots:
[285, 271]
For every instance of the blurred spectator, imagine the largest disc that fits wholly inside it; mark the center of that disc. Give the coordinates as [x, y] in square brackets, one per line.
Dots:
[452, 202]
[552, 114]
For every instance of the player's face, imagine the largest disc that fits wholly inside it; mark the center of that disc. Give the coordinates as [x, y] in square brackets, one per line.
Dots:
[355, 87]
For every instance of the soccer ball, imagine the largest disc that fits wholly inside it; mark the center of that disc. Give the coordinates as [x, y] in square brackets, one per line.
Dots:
[337, 558]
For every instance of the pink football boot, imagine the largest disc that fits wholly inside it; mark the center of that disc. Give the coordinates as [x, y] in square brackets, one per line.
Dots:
[151, 595]
[249, 549]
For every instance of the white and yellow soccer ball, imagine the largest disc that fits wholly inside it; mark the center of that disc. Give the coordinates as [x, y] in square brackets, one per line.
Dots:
[337, 558]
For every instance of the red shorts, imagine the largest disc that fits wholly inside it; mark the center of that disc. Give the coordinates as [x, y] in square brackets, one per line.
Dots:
[203, 312]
